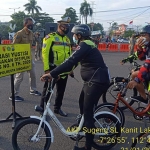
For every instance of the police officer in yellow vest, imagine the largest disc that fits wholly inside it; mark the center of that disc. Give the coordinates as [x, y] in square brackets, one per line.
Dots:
[56, 48]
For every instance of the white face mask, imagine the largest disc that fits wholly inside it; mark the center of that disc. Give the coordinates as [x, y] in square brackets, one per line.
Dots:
[74, 40]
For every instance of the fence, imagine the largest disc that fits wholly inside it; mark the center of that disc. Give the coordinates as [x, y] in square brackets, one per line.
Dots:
[115, 47]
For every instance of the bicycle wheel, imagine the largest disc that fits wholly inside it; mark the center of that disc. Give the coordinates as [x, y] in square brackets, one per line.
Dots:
[110, 107]
[21, 138]
[110, 93]
[142, 142]
[109, 125]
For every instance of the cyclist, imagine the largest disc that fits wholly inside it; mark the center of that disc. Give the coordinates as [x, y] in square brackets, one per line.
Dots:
[143, 53]
[94, 73]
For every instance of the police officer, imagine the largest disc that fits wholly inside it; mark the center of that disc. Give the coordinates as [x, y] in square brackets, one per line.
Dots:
[94, 73]
[25, 36]
[56, 48]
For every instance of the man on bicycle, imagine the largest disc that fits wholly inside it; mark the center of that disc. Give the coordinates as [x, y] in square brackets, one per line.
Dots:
[143, 74]
[94, 73]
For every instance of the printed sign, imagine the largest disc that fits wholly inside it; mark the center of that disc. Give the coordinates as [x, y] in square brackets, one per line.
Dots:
[14, 58]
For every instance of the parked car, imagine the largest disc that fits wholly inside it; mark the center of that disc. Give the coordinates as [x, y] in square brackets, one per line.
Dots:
[122, 41]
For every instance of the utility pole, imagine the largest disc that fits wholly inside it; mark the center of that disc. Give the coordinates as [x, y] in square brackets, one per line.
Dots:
[14, 9]
[92, 17]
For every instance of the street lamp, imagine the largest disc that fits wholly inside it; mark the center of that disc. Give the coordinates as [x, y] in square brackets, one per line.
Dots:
[14, 9]
[110, 26]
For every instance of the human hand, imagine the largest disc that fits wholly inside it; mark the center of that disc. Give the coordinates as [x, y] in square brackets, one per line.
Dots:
[132, 84]
[141, 42]
[123, 61]
[47, 71]
[46, 77]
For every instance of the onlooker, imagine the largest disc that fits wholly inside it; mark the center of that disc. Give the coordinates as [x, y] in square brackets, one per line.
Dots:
[25, 36]
[56, 48]
[38, 45]
[132, 41]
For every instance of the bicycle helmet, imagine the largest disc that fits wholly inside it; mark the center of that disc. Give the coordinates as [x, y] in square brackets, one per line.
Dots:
[145, 29]
[81, 29]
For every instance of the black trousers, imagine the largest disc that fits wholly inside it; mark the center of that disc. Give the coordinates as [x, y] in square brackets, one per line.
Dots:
[60, 89]
[88, 100]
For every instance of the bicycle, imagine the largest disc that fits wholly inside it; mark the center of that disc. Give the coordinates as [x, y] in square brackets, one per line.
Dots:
[141, 142]
[117, 83]
[139, 113]
[37, 133]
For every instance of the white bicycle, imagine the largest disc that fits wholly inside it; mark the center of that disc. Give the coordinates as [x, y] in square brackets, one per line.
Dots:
[36, 133]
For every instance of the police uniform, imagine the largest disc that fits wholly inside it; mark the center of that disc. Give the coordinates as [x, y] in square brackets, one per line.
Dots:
[23, 37]
[55, 50]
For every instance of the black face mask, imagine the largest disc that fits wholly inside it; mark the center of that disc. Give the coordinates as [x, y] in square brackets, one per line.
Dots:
[66, 31]
[30, 26]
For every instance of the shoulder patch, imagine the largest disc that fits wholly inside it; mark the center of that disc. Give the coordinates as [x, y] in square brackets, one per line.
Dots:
[47, 37]
[17, 37]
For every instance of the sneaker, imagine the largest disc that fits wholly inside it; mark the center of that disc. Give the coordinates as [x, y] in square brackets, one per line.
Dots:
[17, 98]
[79, 148]
[35, 93]
[139, 99]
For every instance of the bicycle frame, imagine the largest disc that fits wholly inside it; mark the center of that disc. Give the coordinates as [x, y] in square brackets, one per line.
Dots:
[75, 133]
[120, 98]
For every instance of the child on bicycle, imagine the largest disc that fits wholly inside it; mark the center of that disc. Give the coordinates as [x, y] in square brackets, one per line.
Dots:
[94, 73]
[143, 74]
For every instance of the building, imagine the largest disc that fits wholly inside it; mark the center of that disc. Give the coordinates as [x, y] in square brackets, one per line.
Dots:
[120, 30]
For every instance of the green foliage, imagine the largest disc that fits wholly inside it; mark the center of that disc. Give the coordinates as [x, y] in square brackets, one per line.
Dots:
[4, 29]
[128, 33]
[32, 7]
[70, 12]
[97, 26]
[86, 10]
[17, 18]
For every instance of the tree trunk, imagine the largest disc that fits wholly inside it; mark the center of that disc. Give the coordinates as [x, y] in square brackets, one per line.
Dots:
[85, 19]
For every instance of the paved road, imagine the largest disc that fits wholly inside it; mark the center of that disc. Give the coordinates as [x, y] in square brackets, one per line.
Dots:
[70, 104]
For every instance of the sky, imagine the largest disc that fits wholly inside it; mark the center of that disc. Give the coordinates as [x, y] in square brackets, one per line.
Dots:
[56, 9]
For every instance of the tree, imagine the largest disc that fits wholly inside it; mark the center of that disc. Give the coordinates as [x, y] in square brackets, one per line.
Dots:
[85, 10]
[128, 33]
[41, 18]
[17, 18]
[4, 29]
[70, 12]
[32, 7]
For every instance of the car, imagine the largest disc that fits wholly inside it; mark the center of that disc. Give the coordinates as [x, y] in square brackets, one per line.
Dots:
[122, 41]
[119, 40]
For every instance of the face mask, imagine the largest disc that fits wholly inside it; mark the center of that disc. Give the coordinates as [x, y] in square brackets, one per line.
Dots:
[74, 40]
[30, 26]
[66, 31]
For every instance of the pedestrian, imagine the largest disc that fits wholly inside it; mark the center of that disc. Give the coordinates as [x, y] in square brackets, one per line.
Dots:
[94, 73]
[132, 41]
[25, 36]
[56, 49]
[38, 45]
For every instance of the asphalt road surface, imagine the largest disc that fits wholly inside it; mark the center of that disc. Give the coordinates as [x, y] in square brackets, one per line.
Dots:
[70, 105]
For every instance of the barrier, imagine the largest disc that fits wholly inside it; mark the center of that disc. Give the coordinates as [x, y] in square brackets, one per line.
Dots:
[113, 47]
[102, 46]
[6, 42]
[124, 47]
